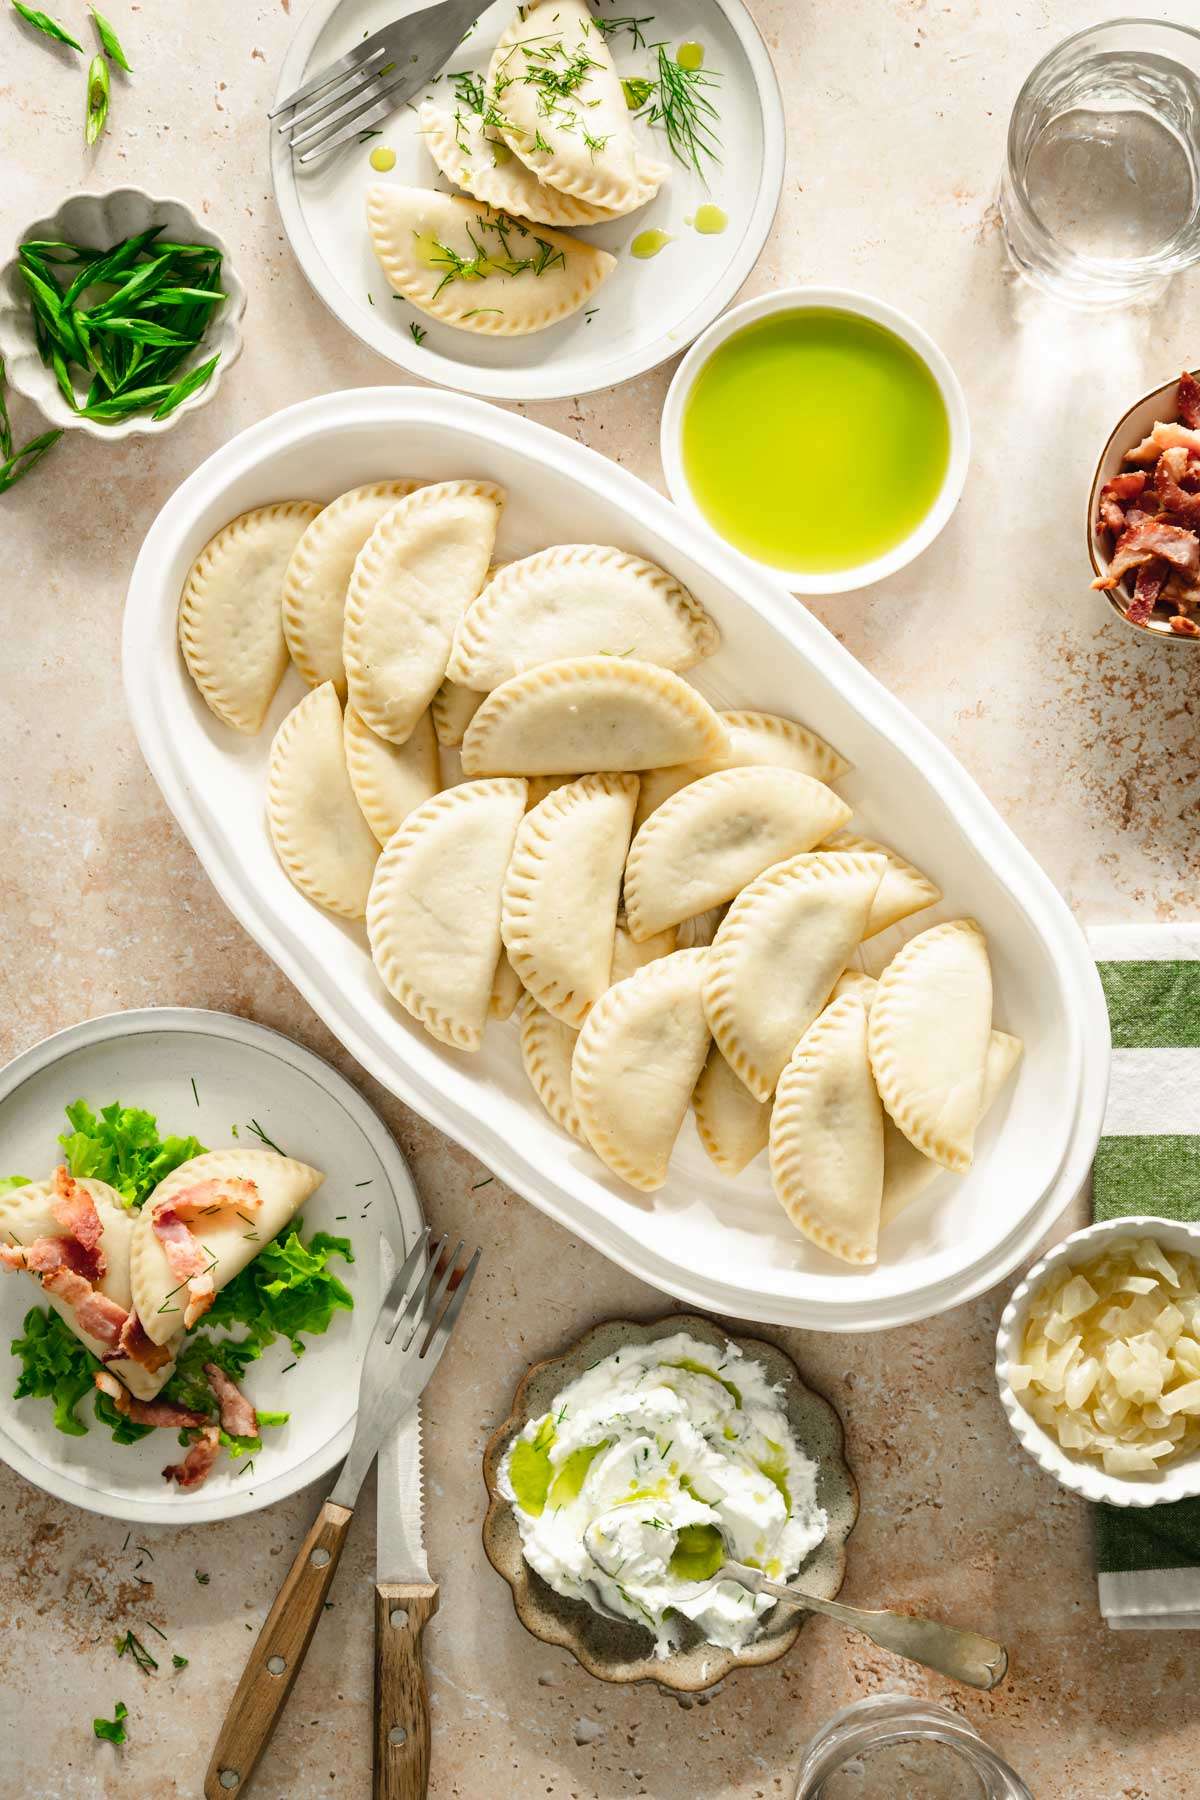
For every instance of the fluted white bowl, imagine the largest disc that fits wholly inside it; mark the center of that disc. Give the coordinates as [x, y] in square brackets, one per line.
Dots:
[1178, 1480]
[103, 220]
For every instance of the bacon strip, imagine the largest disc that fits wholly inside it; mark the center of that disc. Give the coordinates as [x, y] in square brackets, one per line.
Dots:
[51, 1258]
[1184, 627]
[148, 1412]
[1153, 538]
[75, 1210]
[1167, 434]
[137, 1347]
[1185, 507]
[190, 1265]
[1129, 485]
[194, 1470]
[1187, 400]
[1151, 579]
[238, 1416]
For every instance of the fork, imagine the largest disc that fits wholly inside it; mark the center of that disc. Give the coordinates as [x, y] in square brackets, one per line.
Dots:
[358, 90]
[412, 1330]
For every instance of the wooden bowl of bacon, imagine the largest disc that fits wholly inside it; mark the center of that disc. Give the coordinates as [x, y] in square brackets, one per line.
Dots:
[1144, 514]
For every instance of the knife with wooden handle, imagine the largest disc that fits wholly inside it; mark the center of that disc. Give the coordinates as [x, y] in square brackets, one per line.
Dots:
[405, 1600]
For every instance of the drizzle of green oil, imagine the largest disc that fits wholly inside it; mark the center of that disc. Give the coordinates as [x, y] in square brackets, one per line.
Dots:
[649, 243]
[815, 440]
[383, 159]
[690, 56]
[529, 1468]
[775, 1470]
[699, 1368]
[426, 248]
[709, 219]
[698, 1554]
[500, 152]
[570, 1475]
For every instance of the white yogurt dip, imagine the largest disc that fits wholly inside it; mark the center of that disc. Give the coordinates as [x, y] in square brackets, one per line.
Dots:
[650, 1470]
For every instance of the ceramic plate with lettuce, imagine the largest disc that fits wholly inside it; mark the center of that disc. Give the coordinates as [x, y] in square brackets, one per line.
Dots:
[195, 1220]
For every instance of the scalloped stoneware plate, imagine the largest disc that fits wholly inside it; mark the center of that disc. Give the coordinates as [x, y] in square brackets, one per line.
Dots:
[103, 219]
[717, 1243]
[646, 311]
[241, 1070]
[610, 1648]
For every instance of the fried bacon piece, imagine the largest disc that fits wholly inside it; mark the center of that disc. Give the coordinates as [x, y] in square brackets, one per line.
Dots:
[137, 1347]
[186, 1256]
[75, 1210]
[1151, 579]
[238, 1416]
[1166, 434]
[1152, 538]
[1110, 514]
[1171, 468]
[196, 1466]
[1184, 627]
[1187, 400]
[148, 1412]
[52, 1258]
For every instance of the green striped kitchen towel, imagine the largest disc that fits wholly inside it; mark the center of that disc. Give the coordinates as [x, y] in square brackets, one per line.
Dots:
[1148, 1161]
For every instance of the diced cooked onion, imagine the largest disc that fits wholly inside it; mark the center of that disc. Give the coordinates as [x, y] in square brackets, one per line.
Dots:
[1110, 1362]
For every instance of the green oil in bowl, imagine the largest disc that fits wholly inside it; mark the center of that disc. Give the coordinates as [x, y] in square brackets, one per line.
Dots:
[815, 440]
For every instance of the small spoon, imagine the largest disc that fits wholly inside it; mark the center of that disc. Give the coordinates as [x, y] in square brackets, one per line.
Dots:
[962, 1655]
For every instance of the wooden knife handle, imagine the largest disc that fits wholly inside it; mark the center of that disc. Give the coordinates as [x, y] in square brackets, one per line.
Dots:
[402, 1611]
[276, 1657]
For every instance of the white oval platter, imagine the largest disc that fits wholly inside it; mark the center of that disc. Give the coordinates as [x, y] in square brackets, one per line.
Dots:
[241, 1070]
[715, 1242]
[647, 310]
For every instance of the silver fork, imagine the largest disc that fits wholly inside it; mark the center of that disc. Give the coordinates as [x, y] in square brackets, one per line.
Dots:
[375, 78]
[413, 1328]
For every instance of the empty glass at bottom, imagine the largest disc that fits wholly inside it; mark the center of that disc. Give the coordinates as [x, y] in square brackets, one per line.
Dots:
[893, 1745]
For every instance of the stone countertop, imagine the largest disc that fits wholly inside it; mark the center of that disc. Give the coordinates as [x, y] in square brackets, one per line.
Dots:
[1083, 737]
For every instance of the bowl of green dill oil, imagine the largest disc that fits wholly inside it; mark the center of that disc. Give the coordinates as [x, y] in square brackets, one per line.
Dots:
[821, 433]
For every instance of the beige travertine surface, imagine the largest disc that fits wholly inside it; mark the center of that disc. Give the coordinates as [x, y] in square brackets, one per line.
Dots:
[1083, 737]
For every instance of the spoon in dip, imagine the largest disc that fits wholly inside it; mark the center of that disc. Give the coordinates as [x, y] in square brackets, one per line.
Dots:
[964, 1656]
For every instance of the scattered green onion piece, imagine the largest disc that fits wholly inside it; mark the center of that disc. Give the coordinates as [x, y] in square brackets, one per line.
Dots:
[112, 1730]
[111, 41]
[46, 25]
[97, 99]
[25, 459]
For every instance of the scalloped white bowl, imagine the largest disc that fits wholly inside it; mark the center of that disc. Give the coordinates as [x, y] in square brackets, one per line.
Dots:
[103, 220]
[1179, 1480]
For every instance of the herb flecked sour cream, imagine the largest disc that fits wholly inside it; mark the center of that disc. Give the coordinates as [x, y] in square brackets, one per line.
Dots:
[648, 1472]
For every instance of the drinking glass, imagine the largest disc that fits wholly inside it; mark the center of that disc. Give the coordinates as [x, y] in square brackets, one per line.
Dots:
[1100, 196]
[892, 1744]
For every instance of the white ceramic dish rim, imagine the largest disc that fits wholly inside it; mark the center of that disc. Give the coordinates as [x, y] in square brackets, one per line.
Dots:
[195, 1509]
[841, 581]
[14, 343]
[529, 383]
[770, 1301]
[1122, 435]
[1179, 1481]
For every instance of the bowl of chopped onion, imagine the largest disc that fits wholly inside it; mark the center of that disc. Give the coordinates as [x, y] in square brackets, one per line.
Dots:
[1098, 1362]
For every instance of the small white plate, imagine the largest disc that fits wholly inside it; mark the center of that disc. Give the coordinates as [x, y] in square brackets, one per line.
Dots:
[241, 1071]
[1178, 1480]
[844, 300]
[646, 311]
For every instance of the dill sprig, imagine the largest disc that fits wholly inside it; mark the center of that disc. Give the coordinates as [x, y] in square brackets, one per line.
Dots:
[487, 261]
[683, 109]
[610, 28]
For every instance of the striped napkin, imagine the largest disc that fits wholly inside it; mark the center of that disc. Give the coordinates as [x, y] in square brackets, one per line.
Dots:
[1149, 1162]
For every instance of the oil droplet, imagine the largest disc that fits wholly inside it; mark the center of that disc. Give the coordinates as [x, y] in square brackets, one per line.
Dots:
[710, 219]
[500, 152]
[690, 56]
[383, 159]
[649, 243]
[426, 248]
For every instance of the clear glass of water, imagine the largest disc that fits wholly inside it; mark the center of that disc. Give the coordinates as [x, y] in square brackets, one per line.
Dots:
[892, 1744]
[1100, 195]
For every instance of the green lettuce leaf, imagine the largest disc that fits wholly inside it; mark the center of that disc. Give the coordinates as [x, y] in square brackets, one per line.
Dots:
[122, 1146]
[112, 1730]
[8, 1182]
[54, 1366]
[288, 1289]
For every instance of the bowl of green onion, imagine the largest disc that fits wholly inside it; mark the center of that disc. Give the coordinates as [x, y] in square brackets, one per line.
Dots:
[119, 313]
